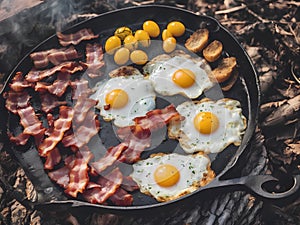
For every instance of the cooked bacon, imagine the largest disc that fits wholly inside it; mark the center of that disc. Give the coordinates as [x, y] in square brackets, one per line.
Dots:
[83, 133]
[20, 139]
[108, 186]
[157, 118]
[52, 159]
[138, 136]
[61, 125]
[16, 100]
[79, 178]
[60, 176]
[32, 125]
[121, 198]
[82, 107]
[85, 153]
[65, 67]
[49, 102]
[110, 157]
[58, 87]
[129, 184]
[75, 38]
[41, 59]
[94, 60]
[18, 83]
[80, 87]
[135, 148]
[63, 55]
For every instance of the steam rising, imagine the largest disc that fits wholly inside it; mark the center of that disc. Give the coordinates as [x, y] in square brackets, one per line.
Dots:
[21, 31]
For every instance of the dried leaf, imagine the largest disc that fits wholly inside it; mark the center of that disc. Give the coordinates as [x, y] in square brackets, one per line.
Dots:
[293, 148]
[286, 112]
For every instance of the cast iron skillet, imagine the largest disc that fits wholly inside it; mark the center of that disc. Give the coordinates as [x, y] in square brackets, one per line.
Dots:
[246, 90]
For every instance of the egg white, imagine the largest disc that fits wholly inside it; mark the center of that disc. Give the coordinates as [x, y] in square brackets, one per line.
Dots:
[161, 72]
[232, 125]
[141, 98]
[194, 172]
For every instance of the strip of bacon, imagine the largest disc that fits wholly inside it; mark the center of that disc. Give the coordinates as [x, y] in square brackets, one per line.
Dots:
[60, 176]
[80, 87]
[82, 107]
[85, 153]
[108, 186]
[121, 198]
[18, 83]
[138, 137]
[20, 139]
[94, 60]
[158, 118]
[65, 67]
[129, 184]
[52, 159]
[75, 38]
[28, 119]
[58, 87]
[61, 125]
[79, 178]
[62, 55]
[49, 102]
[135, 148]
[41, 59]
[16, 100]
[82, 134]
[111, 156]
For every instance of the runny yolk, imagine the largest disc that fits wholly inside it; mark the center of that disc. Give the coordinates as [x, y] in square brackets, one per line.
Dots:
[206, 122]
[116, 98]
[184, 78]
[166, 175]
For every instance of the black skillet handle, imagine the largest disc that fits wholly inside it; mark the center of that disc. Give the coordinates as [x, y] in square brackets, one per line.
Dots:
[257, 184]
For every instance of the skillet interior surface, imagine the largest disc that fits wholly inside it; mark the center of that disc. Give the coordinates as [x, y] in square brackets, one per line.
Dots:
[246, 90]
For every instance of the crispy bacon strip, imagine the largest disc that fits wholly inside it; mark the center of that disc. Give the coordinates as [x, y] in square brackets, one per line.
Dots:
[60, 176]
[65, 67]
[110, 157]
[82, 135]
[61, 125]
[58, 87]
[16, 100]
[108, 186]
[52, 159]
[75, 38]
[94, 60]
[85, 153]
[80, 87]
[135, 148]
[79, 178]
[41, 59]
[129, 184]
[121, 198]
[49, 102]
[158, 118]
[138, 137]
[82, 107]
[32, 125]
[18, 83]
[20, 139]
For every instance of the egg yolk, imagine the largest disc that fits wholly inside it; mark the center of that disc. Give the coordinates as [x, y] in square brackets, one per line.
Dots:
[184, 78]
[166, 175]
[116, 98]
[206, 122]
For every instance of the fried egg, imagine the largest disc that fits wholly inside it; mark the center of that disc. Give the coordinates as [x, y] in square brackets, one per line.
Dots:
[123, 98]
[209, 126]
[179, 74]
[169, 176]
